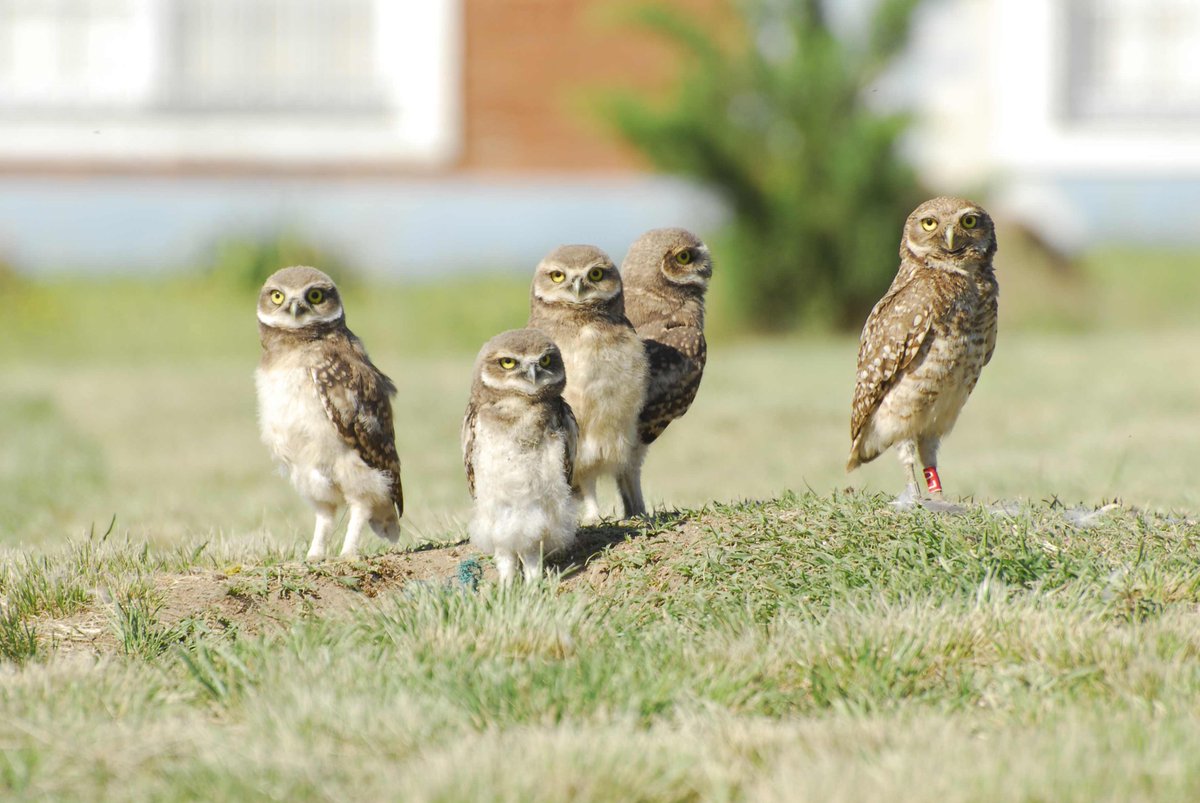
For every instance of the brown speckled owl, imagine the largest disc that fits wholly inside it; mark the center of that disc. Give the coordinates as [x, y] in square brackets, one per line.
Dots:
[325, 410]
[576, 299]
[519, 439]
[666, 275]
[927, 340]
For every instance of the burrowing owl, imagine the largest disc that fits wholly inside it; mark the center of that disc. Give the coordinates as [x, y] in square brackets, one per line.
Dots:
[927, 339]
[325, 410]
[576, 299]
[518, 440]
[666, 275]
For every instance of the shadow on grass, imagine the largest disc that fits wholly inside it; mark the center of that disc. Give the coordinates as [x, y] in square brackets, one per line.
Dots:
[593, 540]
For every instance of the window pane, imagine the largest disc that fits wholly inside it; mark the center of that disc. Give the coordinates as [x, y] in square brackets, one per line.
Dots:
[1133, 59]
[271, 55]
[73, 53]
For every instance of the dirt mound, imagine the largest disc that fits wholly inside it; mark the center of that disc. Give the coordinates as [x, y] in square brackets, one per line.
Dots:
[249, 599]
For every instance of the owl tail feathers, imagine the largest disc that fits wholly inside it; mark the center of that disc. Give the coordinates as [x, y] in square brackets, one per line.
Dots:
[857, 458]
[387, 526]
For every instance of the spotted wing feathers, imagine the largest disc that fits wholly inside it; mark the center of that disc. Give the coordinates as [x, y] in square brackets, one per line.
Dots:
[467, 439]
[676, 355]
[570, 430]
[892, 338]
[357, 397]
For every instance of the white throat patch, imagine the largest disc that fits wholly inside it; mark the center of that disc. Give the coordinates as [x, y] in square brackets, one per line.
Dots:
[281, 320]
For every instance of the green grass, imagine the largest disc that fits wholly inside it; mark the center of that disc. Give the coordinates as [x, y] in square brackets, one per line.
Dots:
[782, 638]
[821, 632]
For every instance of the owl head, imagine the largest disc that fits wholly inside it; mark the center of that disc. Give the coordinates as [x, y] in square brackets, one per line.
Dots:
[669, 259]
[578, 276]
[299, 298]
[949, 232]
[521, 361]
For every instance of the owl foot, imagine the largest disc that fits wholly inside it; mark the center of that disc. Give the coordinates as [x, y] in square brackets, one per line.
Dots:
[909, 499]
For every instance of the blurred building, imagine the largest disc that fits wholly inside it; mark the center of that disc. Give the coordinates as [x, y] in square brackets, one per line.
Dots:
[1081, 116]
[410, 136]
[458, 134]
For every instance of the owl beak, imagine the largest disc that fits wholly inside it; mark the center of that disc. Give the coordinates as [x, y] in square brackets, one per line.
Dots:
[295, 308]
[577, 285]
[532, 371]
[949, 238]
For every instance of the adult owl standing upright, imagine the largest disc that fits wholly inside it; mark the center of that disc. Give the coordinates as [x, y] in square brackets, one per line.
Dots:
[576, 299]
[927, 340]
[519, 441]
[325, 410]
[665, 275]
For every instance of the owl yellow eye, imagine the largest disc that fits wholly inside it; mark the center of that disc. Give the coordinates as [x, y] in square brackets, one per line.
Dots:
[969, 221]
[683, 257]
[596, 274]
[315, 296]
[545, 361]
[557, 276]
[928, 223]
[277, 297]
[508, 363]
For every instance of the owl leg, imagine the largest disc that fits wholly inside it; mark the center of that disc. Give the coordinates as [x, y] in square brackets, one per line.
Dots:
[629, 483]
[531, 561]
[591, 505]
[359, 515]
[506, 565]
[928, 449]
[907, 451]
[325, 514]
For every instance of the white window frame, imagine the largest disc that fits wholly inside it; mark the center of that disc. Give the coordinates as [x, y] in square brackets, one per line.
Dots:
[1032, 130]
[419, 53]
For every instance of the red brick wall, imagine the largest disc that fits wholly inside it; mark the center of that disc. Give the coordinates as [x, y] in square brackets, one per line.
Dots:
[532, 69]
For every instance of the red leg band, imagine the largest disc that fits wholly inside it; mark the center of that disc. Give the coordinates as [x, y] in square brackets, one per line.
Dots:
[932, 480]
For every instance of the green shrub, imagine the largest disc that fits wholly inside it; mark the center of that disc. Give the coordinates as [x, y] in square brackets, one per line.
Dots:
[245, 261]
[772, 116]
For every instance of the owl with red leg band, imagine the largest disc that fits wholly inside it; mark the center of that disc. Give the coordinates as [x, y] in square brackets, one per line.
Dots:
[925, 343]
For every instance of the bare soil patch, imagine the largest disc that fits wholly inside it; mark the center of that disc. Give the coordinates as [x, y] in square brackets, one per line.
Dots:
[253, 599]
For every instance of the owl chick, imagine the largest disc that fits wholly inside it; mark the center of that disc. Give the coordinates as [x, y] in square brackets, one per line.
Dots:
[926, 341]
[518, 439]
[665, 275]
[325, 410]
[576, 299]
